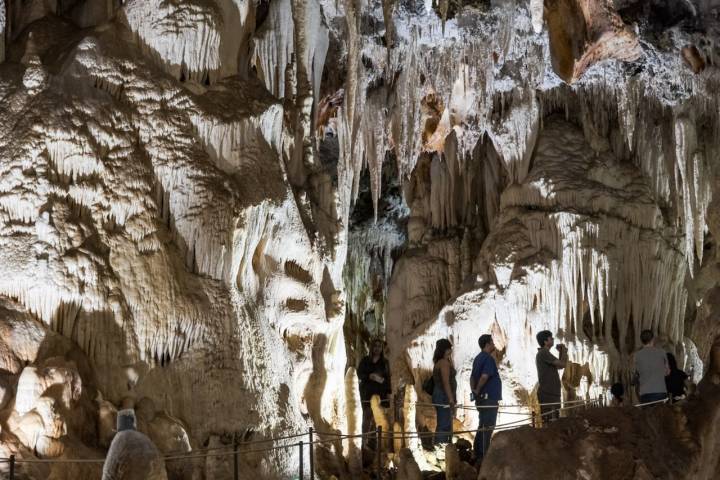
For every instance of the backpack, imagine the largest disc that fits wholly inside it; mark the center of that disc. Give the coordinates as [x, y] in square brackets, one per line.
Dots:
[429, 385]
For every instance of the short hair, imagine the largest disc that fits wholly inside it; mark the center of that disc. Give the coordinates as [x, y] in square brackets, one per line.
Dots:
[543, 336]
[646, 336]
[484, 340]
[126, 420]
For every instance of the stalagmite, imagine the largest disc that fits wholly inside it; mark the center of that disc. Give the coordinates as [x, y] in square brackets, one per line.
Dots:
[397, 440]
[353, 412]
[381, 420]
[407, 467]
[452, 462]
[413, 444]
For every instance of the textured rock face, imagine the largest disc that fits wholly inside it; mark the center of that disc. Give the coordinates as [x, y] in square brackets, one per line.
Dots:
[579, 227]
[207, 207]
[662, 442]
[148, 219]
[584, 32]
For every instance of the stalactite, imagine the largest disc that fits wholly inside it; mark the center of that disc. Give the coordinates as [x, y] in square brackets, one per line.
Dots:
[3, 29]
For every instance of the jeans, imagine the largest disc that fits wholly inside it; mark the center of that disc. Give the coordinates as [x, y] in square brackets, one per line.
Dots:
[652, 397]
[443, 430]
[486, 425]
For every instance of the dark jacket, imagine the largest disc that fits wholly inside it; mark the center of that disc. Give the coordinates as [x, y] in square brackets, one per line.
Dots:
[368, 387]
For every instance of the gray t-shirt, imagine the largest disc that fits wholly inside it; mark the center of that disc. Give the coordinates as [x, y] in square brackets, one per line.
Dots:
[650, 365]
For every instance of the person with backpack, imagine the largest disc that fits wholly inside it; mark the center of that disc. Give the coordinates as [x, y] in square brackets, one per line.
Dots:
[675, 382]
[443, 391]
[486, 388]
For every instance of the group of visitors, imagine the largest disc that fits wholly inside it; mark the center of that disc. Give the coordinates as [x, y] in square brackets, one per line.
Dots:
[656, 375]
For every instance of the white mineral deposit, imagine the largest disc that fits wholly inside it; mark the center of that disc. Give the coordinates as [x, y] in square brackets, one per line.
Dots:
[210, 209]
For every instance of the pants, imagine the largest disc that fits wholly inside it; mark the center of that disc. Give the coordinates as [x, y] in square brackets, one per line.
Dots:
[443, 430]
[549, 412]
[368, 424]
[486, 425]
[652, 397]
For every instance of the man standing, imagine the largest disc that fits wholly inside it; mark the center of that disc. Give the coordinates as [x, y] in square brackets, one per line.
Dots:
[651, 368]
[486, 387]
[548, 367]
[374, 375]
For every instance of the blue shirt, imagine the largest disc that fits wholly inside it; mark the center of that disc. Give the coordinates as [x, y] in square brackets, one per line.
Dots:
[484, 363]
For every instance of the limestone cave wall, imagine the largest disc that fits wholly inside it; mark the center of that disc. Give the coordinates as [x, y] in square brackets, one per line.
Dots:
[208, 207]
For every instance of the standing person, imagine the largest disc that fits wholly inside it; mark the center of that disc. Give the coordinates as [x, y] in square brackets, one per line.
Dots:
[444, 389]
[675, 382]
[486, 387]
[618, 395]
[651, 368]
[374, 374]
[548, 367]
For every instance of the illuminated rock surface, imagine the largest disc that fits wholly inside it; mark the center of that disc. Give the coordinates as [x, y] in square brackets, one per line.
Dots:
[208, 207]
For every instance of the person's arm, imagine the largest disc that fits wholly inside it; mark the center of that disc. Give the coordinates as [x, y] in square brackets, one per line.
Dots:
[634, 380]
[363, 371]
[474, 376]
[481, 383]
[562, 361]
[445, 375]
[547, 357]
[667, 367]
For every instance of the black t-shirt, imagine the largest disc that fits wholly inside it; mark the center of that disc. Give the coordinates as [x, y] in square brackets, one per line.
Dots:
[369, 387]
[675, 383]
[548, 375]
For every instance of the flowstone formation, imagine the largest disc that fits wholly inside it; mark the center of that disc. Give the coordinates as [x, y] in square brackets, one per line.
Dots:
[208, 207]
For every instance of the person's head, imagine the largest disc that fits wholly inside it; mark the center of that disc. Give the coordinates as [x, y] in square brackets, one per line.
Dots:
[646, 337]
[377, 347]
[443, 349]
[486, 343]
[672, 363]
[545, 339]
[618, 391]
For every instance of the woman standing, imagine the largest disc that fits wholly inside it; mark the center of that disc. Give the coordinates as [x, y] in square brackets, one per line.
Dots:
[374, 375]
[675, 381]
[444, 390]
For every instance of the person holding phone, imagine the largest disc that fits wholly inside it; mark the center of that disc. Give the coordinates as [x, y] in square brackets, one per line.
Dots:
[548, 370]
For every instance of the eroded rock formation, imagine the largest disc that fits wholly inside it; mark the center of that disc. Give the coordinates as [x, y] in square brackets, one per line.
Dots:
[661, 442]
[207, 208]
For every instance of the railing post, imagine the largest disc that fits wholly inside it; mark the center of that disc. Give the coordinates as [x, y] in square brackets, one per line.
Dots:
[312, 455]
[236, 473]
[379, 452]
[12, 467]
[300, 447]
[534, 424]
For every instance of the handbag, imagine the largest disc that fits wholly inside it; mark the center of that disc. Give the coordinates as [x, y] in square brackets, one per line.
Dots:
[429, 385]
